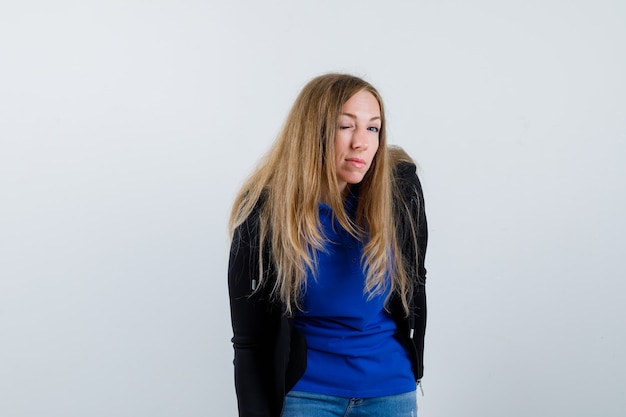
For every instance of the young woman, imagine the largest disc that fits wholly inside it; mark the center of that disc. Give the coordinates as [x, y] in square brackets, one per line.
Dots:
[326, 274]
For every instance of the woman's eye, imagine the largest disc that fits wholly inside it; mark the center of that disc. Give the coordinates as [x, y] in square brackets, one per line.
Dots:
[344, 127]
[373, 129]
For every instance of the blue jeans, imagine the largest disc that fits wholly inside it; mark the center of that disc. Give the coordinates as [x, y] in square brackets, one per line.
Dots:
[308, 404]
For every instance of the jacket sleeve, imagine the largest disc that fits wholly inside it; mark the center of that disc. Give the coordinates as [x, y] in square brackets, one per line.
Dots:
[420, 310]
[251, 317]
[412, 230]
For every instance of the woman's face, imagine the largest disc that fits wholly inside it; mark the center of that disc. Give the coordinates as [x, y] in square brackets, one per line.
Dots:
[356, 140]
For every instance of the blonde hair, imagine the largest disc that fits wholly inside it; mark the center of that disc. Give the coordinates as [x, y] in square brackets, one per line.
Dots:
[291, 180]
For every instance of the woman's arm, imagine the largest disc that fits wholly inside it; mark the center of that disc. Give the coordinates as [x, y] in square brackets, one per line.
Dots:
[420, 290]
[252, 325]
[413, 233]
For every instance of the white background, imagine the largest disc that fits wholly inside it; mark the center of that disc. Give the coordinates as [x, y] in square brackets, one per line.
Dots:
[126, 128]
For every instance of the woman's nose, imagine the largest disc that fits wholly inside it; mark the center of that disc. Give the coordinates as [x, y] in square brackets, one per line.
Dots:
[360, 139]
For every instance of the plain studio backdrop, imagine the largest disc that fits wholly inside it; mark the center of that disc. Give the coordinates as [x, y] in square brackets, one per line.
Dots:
[126, 127]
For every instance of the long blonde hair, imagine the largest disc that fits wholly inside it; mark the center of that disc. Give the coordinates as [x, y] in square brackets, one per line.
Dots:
[291, 180]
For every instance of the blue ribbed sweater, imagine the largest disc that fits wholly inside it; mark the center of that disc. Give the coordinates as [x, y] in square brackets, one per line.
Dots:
[352, 347]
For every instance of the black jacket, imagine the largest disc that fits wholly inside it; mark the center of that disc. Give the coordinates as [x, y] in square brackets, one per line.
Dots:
[270, 354]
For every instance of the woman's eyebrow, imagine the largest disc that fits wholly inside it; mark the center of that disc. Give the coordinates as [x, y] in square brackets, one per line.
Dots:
[354, 116]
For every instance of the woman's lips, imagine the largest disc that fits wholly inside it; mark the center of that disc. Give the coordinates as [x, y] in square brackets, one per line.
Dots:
[356, 162]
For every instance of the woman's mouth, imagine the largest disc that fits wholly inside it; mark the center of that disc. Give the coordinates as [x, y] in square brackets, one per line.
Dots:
[356, 162]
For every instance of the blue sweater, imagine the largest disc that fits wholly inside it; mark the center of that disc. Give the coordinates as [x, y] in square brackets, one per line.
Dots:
[352, 345]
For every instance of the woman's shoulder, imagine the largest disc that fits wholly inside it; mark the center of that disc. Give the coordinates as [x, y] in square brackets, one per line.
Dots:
[406, 178]
[404, 168]
[248, 221]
